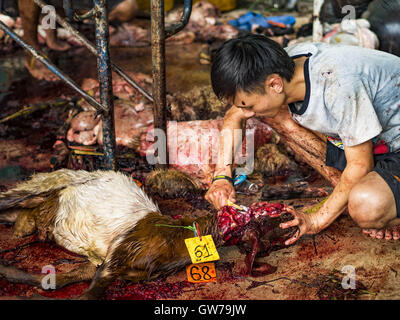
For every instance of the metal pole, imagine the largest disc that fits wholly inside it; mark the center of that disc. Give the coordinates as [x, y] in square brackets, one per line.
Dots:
[158, 61]
[105, 82]
[175, 28]
[69, 12]
[37, 55]
[93, 50]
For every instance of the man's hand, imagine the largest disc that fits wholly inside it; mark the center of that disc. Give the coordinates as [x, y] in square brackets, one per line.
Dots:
[305, 222]
[220, 192]
[359, 163]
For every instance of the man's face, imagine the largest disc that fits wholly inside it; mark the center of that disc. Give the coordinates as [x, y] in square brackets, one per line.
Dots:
[265, 104]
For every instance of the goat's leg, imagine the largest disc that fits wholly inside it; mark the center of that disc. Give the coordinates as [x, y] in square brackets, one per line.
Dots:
[15, 275]
[109, 271]
[25, 223]
[135, 275]
[82, 273]
[101, 281]
[9, 216]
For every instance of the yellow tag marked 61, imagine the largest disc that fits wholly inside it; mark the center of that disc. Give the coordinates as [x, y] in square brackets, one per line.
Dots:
[202, 251]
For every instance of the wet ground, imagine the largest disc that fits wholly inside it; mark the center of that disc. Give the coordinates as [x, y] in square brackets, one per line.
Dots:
[309, 269]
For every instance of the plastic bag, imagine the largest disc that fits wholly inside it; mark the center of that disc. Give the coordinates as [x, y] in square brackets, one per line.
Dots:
[383, 16]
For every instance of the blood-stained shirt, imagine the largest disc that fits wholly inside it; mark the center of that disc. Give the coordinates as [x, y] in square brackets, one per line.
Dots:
[352, 94]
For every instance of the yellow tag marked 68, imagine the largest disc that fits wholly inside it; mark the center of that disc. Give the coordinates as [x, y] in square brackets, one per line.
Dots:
[202, 251]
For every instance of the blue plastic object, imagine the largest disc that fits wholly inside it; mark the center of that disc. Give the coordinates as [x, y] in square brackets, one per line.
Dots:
[246, 21]
[239, 179]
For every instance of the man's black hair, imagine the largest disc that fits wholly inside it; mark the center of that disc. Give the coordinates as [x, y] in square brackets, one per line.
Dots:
[245, 62]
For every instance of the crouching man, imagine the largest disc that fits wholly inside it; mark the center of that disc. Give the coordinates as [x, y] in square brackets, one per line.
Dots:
[348, 96]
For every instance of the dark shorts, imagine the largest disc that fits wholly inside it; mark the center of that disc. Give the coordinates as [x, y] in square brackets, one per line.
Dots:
[386, 165]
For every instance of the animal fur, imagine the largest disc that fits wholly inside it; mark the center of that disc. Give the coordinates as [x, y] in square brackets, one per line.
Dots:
[200, 103]
[172, 183]
[105, 216]
[89, 209]
[272, 159]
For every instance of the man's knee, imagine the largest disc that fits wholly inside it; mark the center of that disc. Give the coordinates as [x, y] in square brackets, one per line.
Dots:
[367, 207]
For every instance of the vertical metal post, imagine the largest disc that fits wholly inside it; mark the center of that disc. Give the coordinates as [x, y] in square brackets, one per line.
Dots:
[105, 83]
[158, 61]
[318, 29]
[68, 9]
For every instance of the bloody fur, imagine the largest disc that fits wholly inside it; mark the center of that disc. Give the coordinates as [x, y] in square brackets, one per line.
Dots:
[172, 183]
[144, 250]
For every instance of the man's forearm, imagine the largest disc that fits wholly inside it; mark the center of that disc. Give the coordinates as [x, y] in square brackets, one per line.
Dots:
[227, 144]
[305, 143]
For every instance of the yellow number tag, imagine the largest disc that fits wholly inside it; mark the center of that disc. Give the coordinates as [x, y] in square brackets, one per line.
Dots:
[202, 251]
[203, 272]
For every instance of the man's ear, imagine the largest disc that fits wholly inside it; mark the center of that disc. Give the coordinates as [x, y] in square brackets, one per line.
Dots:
[274, 83]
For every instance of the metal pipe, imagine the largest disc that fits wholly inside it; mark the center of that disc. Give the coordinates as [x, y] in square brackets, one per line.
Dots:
[175, 28]
[132, 82]
[318, 28]
[105, 83]
[84, 16]
[158, 61]
[93, 50]
[37, 55]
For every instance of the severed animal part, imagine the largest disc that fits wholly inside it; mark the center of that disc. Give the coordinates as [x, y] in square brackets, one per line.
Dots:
[185, 37]
[172, 183]
[200, 103]
[272, 159]
[295, 190]
[84, 121]
[106, 217]
[217, 33]
[205, 22]
[120, 88]
[129, 35]
[193, 145]
[129, 123]
[204, 25]
[256, 230]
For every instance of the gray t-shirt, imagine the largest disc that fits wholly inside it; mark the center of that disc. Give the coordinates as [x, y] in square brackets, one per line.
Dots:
[352, 93]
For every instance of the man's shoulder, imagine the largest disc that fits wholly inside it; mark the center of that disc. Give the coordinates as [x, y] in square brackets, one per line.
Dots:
[324, 58]
[299, 49]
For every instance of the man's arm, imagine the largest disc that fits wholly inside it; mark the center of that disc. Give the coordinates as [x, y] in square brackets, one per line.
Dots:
[359, 163]
[222, 190]
[306, 144]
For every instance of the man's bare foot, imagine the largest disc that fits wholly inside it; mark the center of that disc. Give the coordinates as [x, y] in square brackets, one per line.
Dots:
[53, 42]
[388, 234]
[39, 71]
[57, 45]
